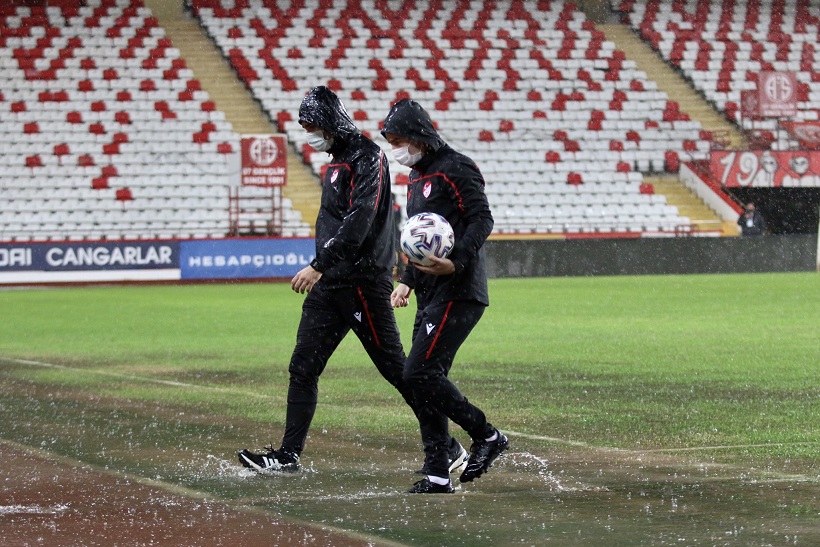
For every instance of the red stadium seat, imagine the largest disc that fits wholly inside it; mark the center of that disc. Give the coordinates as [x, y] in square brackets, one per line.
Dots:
[34, 161]
[124, 194]
[99, 183]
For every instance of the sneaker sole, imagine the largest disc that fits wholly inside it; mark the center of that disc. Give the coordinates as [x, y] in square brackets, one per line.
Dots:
[443, 490]
[460, 463]
[250, 464]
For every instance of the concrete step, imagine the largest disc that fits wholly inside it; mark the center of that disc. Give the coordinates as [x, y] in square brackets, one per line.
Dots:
[687, 202]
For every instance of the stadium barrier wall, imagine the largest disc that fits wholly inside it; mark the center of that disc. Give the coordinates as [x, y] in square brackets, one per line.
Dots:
[134, 261]
[651, 256]
[268, 258]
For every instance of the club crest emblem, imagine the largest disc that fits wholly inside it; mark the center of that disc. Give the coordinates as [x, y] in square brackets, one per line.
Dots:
[334, 176]
[428, 186]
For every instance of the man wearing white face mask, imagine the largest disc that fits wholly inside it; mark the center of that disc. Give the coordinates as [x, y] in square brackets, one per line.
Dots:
[451, 294]
[349, 283]
[317, 140]
[405, 156]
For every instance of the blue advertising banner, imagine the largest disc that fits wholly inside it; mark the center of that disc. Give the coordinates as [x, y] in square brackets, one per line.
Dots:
[244, 258]
[84, 256]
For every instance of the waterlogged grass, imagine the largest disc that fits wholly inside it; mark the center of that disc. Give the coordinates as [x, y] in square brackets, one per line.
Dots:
[628, 362]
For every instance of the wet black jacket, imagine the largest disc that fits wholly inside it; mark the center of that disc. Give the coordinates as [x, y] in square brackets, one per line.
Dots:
[354, 228]
[448, 183]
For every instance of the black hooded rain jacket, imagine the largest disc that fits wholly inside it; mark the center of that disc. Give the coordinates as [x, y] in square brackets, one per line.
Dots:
[354, 228]
[449, 183]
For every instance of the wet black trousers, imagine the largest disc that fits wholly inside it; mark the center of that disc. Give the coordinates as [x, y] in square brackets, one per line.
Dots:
[438, 333]
[327, 316]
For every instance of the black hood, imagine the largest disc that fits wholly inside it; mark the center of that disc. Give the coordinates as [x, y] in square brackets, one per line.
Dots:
[408, 119]
[321, 107]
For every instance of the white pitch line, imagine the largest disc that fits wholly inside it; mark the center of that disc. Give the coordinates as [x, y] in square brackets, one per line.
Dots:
[729, 446]
[652, 450]
[136, 378]
[567, 442]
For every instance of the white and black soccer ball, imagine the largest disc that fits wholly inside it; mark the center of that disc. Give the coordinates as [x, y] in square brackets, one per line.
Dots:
[426, 234]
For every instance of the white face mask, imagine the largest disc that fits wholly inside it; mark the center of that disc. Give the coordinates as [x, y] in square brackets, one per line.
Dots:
[404, 157]
[318, 141]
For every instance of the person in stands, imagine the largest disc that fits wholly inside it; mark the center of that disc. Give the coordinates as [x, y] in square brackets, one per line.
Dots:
[349, 283]
[751, 222]
[451, 294]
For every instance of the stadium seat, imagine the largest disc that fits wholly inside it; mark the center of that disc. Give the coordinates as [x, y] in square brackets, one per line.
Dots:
[83, 117]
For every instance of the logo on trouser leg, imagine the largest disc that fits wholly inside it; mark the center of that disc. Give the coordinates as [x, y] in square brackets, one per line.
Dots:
[358, 316]
[430, 328]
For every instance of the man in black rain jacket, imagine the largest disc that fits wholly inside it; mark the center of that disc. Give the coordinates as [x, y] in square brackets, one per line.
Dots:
[451, 293]
[349, 282]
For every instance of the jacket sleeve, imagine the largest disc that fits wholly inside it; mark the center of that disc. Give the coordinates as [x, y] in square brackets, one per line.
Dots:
[408, 277]
[474, 210]
[370, 178]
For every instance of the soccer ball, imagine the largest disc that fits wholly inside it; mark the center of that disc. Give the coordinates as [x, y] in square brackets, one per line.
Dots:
[426, 234]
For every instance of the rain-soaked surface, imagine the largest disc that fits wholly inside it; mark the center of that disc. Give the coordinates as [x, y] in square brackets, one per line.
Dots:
[146, 473]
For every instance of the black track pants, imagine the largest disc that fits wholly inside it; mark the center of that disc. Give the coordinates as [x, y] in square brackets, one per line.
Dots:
[327, 316]
[439, 331]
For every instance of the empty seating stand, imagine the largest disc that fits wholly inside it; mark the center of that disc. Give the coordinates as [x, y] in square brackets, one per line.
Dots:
[549, 109]
[723, 45]
[104, 131]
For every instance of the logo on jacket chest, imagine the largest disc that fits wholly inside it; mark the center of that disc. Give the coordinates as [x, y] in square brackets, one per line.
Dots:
[428, 187]
[334, 175]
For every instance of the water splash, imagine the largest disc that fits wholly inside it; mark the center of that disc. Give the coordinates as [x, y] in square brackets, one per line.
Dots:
[32, 509]
[535, 466]
[214, 467]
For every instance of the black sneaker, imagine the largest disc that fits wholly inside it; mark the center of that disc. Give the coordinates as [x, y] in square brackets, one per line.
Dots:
[458, 459]
[274, 460]
[424, 486]
[482, 456]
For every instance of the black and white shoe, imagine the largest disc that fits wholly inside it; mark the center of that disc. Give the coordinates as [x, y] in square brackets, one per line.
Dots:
[457, 455]
[482, 456]
[281, 460]
[424, 486]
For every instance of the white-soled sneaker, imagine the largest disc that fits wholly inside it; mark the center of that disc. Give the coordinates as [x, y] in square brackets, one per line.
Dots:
[281, 460]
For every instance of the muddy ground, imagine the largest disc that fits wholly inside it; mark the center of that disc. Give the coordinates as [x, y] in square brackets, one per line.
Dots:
[48, 501]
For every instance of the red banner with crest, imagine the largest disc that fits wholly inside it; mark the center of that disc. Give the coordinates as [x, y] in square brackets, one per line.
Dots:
[264, 160]
[777, 94]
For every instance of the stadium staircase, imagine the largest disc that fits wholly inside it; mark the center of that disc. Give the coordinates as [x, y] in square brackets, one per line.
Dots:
[703, 218]
[233, 98]
[670, 81]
